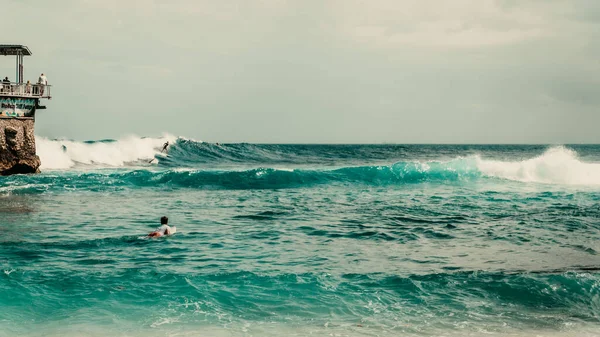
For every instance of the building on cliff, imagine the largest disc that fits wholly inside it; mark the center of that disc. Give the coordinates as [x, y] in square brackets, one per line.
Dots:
[18, 105]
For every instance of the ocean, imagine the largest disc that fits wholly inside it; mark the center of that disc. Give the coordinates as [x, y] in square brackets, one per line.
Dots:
[301, 240]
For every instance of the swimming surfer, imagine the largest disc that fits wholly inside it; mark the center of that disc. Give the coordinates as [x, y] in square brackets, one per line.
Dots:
[164, 229]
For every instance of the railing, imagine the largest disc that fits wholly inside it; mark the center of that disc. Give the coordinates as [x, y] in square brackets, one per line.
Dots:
[24, 89]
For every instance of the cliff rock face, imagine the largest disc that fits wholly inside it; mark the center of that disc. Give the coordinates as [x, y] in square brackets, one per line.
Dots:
[17, 147]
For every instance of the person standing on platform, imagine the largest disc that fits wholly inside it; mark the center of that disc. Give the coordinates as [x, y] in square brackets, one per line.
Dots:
[6, 84]
[42, 82]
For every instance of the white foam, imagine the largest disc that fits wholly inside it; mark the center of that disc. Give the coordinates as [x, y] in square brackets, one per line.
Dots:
[558, 165]
[126, 150]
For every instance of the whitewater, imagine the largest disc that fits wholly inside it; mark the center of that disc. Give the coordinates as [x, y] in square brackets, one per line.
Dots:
[301, 240]
[556, 165]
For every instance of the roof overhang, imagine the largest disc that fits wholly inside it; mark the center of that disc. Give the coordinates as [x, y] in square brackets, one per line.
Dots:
[14, 49]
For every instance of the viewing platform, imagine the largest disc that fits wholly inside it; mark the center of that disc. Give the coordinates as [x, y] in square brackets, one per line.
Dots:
[25, 90]
[19, 101]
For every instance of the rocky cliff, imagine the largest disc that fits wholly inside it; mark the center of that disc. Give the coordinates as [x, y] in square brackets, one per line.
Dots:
[17, 147]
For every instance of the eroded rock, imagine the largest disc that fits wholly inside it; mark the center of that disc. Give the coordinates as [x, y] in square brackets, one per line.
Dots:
[17, 147]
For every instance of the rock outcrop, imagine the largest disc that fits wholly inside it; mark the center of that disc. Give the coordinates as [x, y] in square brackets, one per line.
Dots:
[17, 147]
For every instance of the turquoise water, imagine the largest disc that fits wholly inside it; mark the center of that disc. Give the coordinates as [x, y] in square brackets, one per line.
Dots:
[299, 240]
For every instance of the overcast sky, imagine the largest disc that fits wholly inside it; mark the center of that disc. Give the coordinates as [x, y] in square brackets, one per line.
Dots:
[324, 71]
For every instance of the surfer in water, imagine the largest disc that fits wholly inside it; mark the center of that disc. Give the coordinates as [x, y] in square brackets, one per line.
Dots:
[164, 229]
[164, 148]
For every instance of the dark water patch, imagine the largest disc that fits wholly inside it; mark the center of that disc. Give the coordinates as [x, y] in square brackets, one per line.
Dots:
[261, 216]
[585, 249]
[26, 254]
[172, 250]
[372, 235]
[431, 234]
[96, 261]
[112, 242]
[265, 235]
[391, 236]
[427, 219]
[405, 236]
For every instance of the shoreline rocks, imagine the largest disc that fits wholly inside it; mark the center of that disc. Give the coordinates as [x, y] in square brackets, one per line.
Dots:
[17, 147]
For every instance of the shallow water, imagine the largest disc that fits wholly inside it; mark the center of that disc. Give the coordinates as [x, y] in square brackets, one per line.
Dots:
[355, 240]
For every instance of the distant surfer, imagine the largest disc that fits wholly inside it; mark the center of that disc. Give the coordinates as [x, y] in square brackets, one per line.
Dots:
[164, 229]
[165, 146]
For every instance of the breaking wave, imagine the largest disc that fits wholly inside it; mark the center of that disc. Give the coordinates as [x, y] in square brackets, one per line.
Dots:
[131, 150]
[558, 165]
[191, 163]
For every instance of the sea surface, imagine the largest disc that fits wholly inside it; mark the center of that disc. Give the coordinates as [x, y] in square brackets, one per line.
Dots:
[301, 240]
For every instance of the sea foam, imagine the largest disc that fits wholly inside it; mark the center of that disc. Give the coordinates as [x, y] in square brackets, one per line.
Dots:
[558, 165]
[64, 154]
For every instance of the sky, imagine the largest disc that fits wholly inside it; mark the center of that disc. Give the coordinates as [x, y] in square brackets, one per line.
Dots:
[314, 71]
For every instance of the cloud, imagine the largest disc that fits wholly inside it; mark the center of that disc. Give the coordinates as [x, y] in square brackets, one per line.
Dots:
[316, 71]
[449, 24]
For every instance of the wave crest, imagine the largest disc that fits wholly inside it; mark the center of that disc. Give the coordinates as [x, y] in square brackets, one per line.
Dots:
[65, 154]
[557, 165]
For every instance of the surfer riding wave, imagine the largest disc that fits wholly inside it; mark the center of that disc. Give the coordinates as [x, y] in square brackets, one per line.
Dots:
[164, 148]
